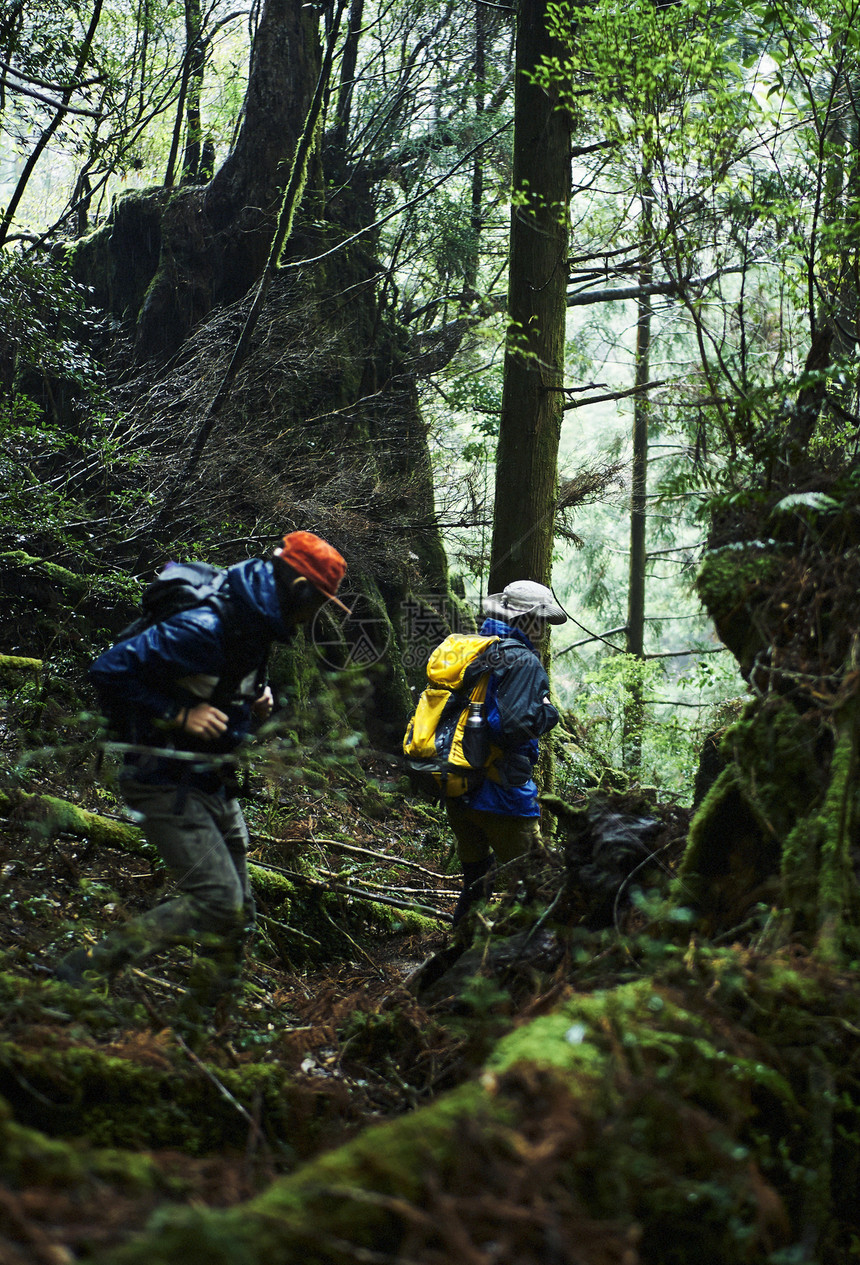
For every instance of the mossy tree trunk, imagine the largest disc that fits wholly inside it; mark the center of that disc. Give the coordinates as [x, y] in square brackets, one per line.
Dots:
[776, 841]
[530, 427]
[215, 238]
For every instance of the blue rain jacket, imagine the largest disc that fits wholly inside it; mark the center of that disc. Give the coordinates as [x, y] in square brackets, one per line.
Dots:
[516, 716]
[143, 682]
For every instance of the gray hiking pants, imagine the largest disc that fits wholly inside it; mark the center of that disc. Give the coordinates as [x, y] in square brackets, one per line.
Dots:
[203, 841]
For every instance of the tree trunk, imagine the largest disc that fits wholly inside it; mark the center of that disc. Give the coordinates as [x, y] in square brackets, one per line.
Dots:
[527, 458]
[195, 52]
[632, 741]
[215, 241]
[476, 214]
[340, 131]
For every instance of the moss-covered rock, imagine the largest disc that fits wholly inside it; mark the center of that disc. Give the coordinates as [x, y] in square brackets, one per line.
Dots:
[777, 827]
[71, 1090]
[732, 581]
[674, 1120]
[30, 1157]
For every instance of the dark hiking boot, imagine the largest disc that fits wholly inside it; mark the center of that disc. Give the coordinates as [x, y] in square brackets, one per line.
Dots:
[82, 967]
[477, 885]
[75, 968]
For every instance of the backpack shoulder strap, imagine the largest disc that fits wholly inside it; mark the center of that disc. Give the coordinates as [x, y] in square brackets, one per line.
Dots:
[493, 657]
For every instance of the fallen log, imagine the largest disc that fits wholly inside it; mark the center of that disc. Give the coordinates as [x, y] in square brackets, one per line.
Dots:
[19, 663]
[53, 816]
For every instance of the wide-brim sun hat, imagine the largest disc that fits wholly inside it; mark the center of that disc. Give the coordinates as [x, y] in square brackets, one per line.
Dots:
[521, 599]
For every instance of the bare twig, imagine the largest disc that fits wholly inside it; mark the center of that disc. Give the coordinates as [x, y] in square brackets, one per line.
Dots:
[324, 885]
[222, 1089]
[379, 856]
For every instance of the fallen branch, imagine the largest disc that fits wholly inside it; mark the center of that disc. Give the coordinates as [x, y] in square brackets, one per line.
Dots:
[413, 906]
[344, 890]
[284, 926]
[444, 892]
[380, 856]
[404, 891]
[57, 816]
[19, 663]
[352, 850]
[72, 580]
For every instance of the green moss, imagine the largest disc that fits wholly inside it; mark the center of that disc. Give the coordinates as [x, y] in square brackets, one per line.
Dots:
[775, 752]
[117, 260]
[71, 580]
[78, 1091]
[53, 815]
[838, 902]
[733, 571]
[775, 828]
[276, 889]
[643, 1113]
[731, 581]
[19, 663]
[638, 1025]
[28, 1157]
[354, 1194]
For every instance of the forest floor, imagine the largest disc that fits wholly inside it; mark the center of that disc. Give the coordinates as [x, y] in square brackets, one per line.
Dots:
[125, 1113]
[307, 1008]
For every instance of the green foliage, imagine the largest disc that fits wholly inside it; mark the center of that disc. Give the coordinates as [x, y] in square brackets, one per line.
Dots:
[43, 320]
[122, 102]
[726, 125]
[672, 106]
[624, 704]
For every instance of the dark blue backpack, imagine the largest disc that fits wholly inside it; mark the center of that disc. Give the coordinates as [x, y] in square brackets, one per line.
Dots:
[184, 586]
[180, 586]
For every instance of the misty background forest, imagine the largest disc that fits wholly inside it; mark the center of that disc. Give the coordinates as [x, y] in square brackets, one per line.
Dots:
[478, 291]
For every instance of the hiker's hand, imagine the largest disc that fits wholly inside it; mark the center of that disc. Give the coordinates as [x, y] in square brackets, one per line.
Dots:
[261, 708]
[203, 721]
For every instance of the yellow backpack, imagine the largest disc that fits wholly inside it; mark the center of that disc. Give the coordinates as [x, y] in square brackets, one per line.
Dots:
[447, 736]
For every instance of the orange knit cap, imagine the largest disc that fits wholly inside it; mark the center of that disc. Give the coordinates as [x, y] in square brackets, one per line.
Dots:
[317, 561]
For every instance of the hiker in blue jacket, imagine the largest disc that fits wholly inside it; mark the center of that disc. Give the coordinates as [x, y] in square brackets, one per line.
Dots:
[184, 693]
[500, 819]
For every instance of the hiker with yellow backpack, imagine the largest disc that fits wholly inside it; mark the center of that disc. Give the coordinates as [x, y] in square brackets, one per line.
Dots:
[476, 730]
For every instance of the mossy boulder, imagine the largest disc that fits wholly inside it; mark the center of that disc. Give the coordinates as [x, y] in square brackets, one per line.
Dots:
[778, 829]
[667, 1120]
[141, 1098]
[30, 1157]
[733, 581]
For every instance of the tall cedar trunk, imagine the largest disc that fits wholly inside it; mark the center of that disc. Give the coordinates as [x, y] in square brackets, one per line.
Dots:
[476, 212]
[527, 459]
[841, 271]
[285, 65]
[215, 241]
[349, 61]
[632, 742]
[193, 120]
